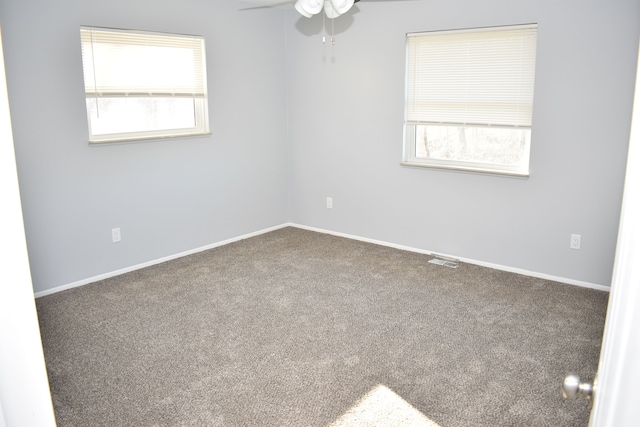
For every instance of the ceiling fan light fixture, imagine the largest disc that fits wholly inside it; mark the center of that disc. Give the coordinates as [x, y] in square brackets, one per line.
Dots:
[308, 8]
[341, 6]
[300, 10]
[332, 8]
[330, 11]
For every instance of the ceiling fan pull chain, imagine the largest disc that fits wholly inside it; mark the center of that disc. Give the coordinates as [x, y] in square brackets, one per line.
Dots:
[324, 30]
[333, 40]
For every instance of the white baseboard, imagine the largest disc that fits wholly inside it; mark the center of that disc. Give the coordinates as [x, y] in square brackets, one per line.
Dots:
[155, 261]
[466, 260]
[319, 230]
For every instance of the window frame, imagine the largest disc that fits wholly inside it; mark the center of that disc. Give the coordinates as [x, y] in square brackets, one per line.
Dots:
[199, 95]
[410, 126]
[410, 159]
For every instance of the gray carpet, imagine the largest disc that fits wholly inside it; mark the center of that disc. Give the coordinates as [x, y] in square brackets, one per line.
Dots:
[296, 328]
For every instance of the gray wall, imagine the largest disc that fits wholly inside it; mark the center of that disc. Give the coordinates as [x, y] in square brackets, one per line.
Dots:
[166, 196]
[345, 122]
[295, 121]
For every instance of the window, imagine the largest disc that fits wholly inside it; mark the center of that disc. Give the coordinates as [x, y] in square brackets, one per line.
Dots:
[142, 85]
[469, 98]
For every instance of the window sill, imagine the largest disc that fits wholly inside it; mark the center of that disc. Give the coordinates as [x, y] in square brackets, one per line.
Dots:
[112, 141]
[470, 169]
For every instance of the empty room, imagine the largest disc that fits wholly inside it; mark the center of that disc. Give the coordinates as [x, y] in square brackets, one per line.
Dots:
[314, 213]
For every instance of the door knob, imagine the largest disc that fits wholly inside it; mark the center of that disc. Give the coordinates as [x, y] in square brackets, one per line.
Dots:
[572, 387]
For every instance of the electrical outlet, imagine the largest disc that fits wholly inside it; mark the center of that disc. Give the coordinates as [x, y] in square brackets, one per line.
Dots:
[115, 235]
[575, 241]
[329, 203]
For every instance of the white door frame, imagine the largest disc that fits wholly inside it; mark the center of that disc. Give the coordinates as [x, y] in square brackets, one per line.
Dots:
[617, 395]
[25, 399]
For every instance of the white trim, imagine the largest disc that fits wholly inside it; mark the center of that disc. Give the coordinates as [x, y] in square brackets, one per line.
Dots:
[466, 260]
[475, 29]
[2, 421]
[155, 261]
[25, 397]
[445, 165]
[323, 231]
[616, 395]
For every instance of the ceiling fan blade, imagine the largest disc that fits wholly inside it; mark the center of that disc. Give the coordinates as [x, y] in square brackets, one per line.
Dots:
[267, 3]
[263, 4]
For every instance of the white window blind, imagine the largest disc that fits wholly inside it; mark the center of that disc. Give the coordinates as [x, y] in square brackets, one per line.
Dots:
[131, 63]
[142, 85]
[472, 77]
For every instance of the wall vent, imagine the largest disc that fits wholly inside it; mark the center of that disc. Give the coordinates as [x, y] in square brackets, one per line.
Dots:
[449, 264]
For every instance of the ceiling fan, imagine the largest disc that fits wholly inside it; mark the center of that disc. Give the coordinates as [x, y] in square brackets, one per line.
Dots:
[308, 8]
[332, 8]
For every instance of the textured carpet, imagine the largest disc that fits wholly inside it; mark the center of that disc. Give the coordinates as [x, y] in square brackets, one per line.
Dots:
[296, 328]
